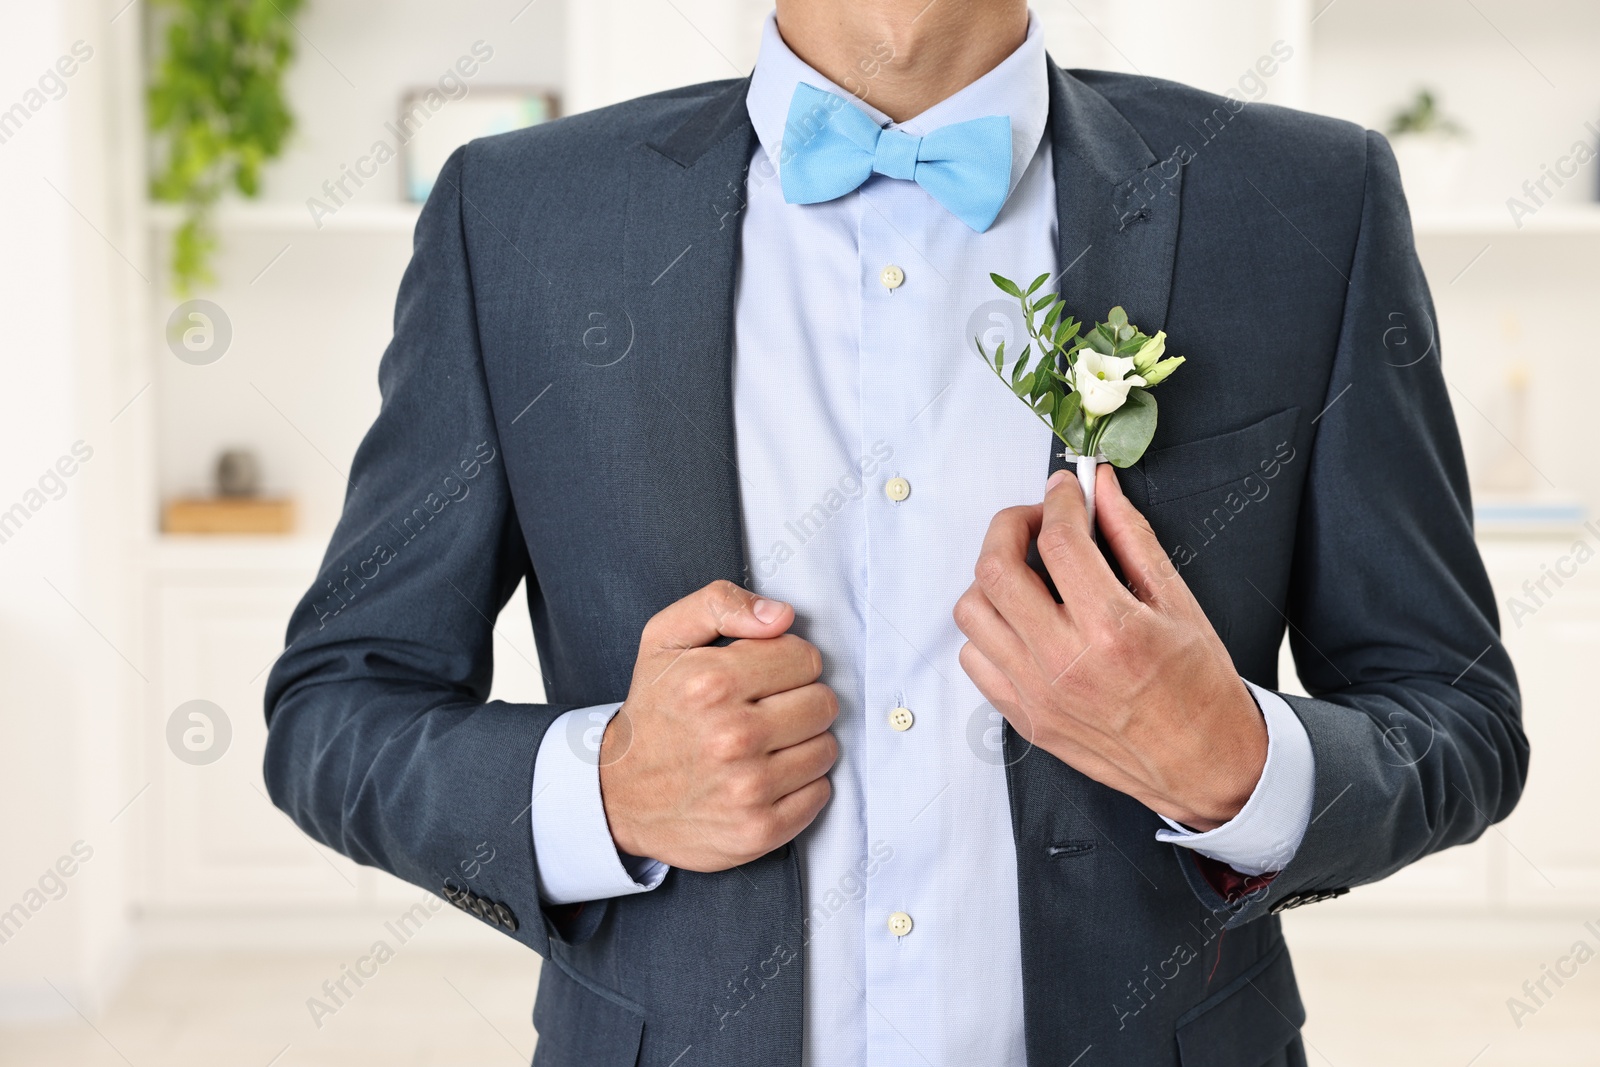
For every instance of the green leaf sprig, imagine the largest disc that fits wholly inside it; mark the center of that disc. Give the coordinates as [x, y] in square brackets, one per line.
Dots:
[217, 109]
[1092, 389]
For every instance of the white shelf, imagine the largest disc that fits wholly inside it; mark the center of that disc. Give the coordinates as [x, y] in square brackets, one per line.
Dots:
[1552, 221]
[286, 217]
[175, 554]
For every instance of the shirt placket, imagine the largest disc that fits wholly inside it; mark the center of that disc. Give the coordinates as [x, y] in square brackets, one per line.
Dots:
[900, 753]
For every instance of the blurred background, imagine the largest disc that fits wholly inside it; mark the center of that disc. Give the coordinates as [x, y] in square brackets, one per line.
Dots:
[188, 369]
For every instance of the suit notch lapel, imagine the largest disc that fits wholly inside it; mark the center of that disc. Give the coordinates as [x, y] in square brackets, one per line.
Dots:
[1117, 209]
[680, 255]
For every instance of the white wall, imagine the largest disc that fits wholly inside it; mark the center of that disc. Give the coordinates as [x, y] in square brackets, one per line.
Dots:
[70, 656]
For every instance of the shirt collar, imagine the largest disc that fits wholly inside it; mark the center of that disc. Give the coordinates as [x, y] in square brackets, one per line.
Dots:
[1019, 88]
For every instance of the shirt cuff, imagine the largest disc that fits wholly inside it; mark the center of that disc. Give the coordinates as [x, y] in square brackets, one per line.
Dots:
[1266, 833]
[575, 856]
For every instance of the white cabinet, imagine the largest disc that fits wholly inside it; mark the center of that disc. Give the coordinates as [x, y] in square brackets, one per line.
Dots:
[219, 609]
[1551, 858]
[219, 614]
[1538, 861]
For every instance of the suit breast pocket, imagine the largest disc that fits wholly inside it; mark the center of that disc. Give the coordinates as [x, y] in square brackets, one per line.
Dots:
[1224, 509]
[1216, 464]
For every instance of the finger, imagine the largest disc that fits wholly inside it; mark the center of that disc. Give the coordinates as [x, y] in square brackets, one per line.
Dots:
[796, 811]
[1138, 551]
[990, 680]
[1080, 572]
[799, 765]
[990, 633]
[796, 715]
[1013, 587]
[720, 609]
[762, 668]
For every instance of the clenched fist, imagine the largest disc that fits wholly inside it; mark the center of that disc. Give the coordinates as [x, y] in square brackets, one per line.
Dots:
[719, 754]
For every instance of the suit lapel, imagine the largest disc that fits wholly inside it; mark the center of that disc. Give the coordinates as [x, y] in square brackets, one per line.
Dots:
[1117, 217]
[681, 248]
[1117, 210]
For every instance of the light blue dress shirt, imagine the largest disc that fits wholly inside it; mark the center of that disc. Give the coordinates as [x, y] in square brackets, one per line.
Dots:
[853, 367]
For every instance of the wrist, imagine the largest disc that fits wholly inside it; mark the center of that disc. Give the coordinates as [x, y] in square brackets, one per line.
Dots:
[614, 745]
[1232, 772]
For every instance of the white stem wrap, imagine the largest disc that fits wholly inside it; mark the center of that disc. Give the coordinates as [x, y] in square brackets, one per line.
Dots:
[1086, 468]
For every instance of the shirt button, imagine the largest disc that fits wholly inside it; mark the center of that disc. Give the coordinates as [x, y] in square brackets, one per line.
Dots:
[897, 488]
[901, 719]
[892, 277]
[899, 924]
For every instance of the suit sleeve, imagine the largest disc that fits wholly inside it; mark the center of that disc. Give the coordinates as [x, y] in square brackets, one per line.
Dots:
[1415, 718]
[381, 742]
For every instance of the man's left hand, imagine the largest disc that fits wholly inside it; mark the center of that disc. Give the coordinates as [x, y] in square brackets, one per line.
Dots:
[1128, 684]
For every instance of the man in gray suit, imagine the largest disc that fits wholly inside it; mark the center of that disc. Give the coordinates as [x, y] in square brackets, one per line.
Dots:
[830, 774]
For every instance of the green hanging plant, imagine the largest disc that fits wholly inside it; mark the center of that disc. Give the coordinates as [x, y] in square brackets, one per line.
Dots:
[217, 111]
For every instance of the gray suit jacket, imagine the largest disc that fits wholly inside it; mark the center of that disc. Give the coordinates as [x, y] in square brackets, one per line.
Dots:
[557, 408]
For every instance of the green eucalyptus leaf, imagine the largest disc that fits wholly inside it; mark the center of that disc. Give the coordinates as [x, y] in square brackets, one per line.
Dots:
[1076, 431]
[1006, 285]
[1117, 317]
[1128, 430]
[1101, 342]
[1070, 407]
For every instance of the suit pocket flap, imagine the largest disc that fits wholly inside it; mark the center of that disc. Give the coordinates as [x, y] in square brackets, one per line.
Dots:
[1211, 462]
[582, 1025]
[1246, 1022]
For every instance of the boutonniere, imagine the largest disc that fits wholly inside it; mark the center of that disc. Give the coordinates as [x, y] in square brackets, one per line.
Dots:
[1091, 388]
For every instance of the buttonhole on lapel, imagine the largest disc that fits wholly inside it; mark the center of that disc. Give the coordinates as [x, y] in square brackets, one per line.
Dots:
[1068, 848]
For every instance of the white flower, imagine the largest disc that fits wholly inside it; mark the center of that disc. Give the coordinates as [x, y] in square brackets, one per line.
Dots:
[1103, 381]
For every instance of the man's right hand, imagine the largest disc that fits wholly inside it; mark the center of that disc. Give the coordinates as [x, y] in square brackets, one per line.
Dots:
[719, 754]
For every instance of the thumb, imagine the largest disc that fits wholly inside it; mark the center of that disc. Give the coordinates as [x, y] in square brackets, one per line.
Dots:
[1128, 534]
[720, 609]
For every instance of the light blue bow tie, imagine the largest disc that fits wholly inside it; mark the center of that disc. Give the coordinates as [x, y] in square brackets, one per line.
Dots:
[832, 146]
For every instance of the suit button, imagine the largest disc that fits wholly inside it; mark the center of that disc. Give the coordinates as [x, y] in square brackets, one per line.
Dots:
[901, 719]
[897, 489]
[899, 924]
